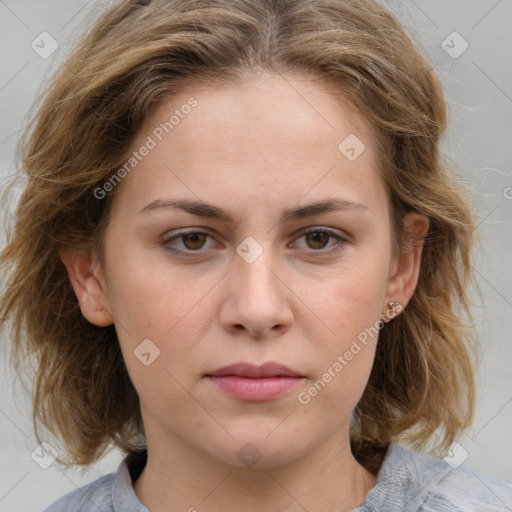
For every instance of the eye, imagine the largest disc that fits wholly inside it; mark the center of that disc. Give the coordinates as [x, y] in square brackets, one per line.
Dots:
[318, 238]
[192, 241]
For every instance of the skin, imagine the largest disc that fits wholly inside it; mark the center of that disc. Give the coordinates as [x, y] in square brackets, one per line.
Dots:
[252, 150]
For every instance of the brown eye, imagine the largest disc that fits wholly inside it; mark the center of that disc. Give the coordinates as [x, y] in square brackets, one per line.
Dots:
[194, 241]
[318, 239]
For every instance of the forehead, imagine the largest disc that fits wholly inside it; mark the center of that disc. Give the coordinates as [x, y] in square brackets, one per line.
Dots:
[292, 108]
[268, 133]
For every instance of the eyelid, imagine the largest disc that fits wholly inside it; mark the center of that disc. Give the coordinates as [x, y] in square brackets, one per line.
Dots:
[323, 229]
[341, 238]
[176, 235]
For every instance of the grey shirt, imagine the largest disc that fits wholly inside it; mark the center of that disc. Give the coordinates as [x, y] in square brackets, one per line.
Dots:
[406, 482]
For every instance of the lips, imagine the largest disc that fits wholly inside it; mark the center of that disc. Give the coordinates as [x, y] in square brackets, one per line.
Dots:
[270, 369]
[247, 382]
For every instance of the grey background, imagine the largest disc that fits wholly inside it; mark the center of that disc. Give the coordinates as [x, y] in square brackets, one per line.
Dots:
[478, 86]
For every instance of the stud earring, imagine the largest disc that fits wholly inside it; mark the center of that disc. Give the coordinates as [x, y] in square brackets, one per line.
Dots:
[393, 310]
[396, 307]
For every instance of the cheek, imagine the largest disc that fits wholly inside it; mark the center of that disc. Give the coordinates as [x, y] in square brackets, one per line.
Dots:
[344, 331]
[149, 300]
[349, 301]
[165, 307]
[345, 352]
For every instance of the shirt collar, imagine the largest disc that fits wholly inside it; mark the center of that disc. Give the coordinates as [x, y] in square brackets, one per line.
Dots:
[124, 498]
[402, 479]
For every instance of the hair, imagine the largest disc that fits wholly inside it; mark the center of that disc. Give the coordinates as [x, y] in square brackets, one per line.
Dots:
[137, 54]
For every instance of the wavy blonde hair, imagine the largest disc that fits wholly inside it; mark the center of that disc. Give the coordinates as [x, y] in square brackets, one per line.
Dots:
[138, 53]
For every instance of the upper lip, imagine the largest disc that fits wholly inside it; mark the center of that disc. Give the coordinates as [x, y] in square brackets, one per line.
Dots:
[270, 369]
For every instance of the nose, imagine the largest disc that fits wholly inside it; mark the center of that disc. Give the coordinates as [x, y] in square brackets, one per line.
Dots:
[257, 298]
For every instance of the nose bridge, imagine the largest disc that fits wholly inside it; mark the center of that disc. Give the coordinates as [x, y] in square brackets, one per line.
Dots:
[255, 268]
[258, 300]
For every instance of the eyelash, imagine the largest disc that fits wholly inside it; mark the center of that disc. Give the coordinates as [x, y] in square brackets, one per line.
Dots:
[330, 232]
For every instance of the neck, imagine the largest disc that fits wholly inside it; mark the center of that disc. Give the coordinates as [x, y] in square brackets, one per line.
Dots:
[178, 477]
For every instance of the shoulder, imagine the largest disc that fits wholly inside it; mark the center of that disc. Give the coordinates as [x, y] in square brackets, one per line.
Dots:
[110, 493]
[90, 498]
[465, 489]
[425, 484]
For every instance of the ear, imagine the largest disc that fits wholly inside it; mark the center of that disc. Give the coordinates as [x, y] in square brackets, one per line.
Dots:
[90, 288]
[405, 267]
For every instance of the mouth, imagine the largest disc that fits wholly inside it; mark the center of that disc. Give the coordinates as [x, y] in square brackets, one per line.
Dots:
[252, 371]
[248, 382]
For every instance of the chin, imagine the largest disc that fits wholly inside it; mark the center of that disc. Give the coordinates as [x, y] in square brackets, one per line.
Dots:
[253, 449]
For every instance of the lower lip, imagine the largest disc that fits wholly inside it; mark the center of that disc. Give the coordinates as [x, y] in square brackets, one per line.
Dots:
[252, 389]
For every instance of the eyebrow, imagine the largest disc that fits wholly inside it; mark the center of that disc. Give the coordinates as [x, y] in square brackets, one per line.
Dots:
[202, 209]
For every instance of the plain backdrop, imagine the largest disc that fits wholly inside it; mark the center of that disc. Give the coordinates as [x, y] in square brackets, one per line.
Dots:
[478, 87]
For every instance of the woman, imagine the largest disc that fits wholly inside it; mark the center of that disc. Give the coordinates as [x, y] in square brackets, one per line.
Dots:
[238, 257]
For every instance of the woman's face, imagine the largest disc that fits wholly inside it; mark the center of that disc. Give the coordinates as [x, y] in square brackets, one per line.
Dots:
[263, 275]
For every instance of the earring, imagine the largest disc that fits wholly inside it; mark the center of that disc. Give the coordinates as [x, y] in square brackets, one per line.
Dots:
[394, 308]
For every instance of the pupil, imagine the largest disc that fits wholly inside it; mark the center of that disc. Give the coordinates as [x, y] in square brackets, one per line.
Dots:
[194, 238]
[316, 236]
